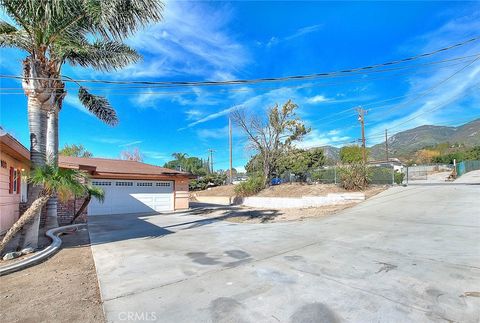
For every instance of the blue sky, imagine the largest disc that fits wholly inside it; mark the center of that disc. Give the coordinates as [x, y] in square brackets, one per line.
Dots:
[238, 40]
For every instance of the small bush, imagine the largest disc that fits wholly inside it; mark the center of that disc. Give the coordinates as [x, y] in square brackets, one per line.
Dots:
[380, 175]
[207, 181]
[251, 186]
[326, 175]
[354, 176]
[399, 178]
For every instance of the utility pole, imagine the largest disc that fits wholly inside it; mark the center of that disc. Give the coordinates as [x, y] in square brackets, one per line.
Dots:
[230, 143]
[211, 151]
[386, 143]
[361, 118]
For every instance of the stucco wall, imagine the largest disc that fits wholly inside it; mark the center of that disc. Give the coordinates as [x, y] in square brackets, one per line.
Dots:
[9, 203]
[181, 194]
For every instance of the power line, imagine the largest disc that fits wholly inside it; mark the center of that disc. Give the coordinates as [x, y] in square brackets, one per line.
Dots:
[262, 80]
[437, 107]
[422, 94]
[121, 87]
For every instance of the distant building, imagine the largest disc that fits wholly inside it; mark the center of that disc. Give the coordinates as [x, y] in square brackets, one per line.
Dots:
[397, 165]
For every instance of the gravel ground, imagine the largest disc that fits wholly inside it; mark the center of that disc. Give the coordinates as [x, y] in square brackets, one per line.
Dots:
[62, 289]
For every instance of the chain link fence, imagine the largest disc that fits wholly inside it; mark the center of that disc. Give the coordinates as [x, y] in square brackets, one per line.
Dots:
[382, 175]
[427, 172]
[467, 166]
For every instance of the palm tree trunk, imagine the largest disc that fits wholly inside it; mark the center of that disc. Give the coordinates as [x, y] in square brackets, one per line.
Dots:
[29, 214]
[39, 94]
[52, 158]
[82, 208]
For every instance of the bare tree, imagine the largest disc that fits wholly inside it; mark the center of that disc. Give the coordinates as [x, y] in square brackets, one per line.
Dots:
[272, 135]
[134, 155]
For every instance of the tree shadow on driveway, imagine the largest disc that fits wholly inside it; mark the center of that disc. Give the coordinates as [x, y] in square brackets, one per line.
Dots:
[119, 227]
[111, 228]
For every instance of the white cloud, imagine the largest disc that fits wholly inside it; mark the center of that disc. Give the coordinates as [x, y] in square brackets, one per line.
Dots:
[300, 32]
[73, 101]
[192, 40]
[136, 142]
[213, 133]
[212, 116]
[193, 114]
[317, 99]
[257, 103]
[240, 169]
[317, 138]
[155, 155]
[451, 97]
[304, 31]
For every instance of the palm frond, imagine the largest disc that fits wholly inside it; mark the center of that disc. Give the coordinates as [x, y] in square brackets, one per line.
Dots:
[101, 55]
[99, 106]
[119, 18]
[64, 182]
[10, 36]
[96, 192]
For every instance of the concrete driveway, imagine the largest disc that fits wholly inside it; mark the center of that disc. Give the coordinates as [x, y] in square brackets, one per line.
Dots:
[407, 255]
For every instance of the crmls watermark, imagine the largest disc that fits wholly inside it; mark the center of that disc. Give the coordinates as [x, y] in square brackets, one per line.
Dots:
[137, 316]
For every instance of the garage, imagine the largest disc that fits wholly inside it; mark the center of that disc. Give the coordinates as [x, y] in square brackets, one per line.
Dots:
[129, 186]
[133, 197]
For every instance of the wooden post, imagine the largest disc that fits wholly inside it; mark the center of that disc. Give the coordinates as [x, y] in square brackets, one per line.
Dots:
[361, 119]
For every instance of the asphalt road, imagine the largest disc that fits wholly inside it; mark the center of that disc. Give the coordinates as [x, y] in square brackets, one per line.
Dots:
[407, 255]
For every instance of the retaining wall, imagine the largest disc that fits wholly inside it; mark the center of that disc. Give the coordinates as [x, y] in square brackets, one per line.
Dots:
[221, 200]
[302, 202]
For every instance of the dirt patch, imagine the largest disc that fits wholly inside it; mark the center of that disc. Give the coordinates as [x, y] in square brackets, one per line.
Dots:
[62, 289]
[289, 190]
[243, 214]
[224, 190]
[299, 190]
[252, 215]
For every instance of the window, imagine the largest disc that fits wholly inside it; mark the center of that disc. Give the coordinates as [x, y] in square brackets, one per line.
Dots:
[15, 181]
[101, 183]
[124, 184]
[145, 184]
[166, 184]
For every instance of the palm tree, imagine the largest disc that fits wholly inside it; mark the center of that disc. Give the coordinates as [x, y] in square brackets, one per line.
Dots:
[53, 181]
[91, 191]
[81, 33]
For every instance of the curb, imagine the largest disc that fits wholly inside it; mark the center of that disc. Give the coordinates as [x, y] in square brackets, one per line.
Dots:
[43, 254]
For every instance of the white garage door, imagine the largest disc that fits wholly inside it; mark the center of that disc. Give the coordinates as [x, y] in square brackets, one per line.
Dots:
[123, 196]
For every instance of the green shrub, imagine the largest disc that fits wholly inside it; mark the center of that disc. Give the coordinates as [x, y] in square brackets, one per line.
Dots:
[206, 181]
[354, 176]
[380, 175]
[399, 178]
[251, 186]
[326, 175]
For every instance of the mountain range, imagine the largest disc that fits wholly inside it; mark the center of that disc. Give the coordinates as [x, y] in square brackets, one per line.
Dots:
[405, 143]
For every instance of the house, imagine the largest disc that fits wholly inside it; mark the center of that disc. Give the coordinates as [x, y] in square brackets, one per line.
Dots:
[14, 161]
[129, 186]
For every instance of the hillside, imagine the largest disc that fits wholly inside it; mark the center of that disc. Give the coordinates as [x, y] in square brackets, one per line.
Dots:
[406, 142]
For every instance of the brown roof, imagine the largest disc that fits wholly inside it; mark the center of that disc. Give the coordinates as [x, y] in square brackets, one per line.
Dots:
[13, 147]
[117, 168]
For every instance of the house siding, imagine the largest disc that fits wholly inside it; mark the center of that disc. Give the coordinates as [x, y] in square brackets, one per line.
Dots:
[9, 202]
[181, 194]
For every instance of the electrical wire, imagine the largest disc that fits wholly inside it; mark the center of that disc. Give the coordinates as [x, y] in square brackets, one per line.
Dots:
[19, 90]
[261, 80]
